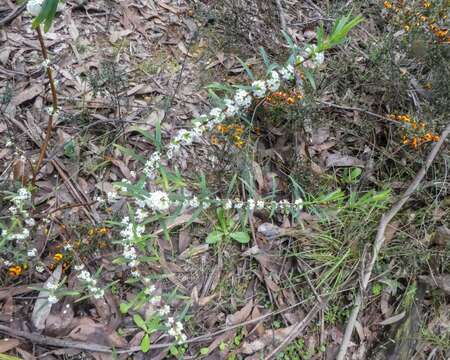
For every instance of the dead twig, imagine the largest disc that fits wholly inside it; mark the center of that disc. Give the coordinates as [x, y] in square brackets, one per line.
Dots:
[379, 240]
[49, 130]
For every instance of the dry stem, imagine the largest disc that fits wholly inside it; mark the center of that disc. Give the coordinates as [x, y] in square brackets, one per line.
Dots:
[49, 130]
[379, 240]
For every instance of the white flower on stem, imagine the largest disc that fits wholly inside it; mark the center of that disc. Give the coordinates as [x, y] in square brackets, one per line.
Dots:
[260, 204]
[34, 7]
[52, 299]
[68, 247]
[13, 210]
[30, 222]
[259, 88]
[45, 64]
[238, 205]
[141, 215]
[231, 109]
[274, 82]
[112, 196]
[149, 290]
[316, 57]
[184, 137]
[194, 203]
[242, 99]
[299, 204]
[129, 252]
[155, 300]
[170, 321]
[136, 273]
[32, 252]
[158, 201]
[287, 73]
[228, 204]
[251, 204]
[165, 310]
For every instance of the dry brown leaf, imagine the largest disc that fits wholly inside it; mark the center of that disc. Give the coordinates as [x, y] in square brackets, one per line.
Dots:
[393, 319]
[184, 240]
[337, 160]
[28, 94]
[270, 337]
[240, 315]
[88, 330]
[8, 344]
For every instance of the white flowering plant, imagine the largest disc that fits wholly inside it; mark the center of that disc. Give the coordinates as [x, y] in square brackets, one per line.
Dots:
[16, 228]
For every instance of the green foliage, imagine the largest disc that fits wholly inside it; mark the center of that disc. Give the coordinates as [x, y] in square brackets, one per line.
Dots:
[47, 14]
[226, 229]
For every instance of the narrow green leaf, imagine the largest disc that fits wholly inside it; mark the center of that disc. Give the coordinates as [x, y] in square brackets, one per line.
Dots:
[247, 69]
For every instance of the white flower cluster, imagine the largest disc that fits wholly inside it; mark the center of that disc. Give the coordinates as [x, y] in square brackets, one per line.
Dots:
[233, 107]
[176, 330]
[90, 283]
[131, 234]
[52, 287]
[315, 58]
[19, 210]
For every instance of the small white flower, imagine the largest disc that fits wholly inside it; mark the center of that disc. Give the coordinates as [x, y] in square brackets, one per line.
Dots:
[242, 99]
[274, 82]
[13, 210]
[170, 321]
[45, 64]
[30, 222]
[165, 310]
[112, 196]
[158, 201]
[135, 273]
[155, 300]
[32, 252]
[51, 286]
[260, 204]
[251, 204]
[34, 7]
[79, 267]
[228, 204]
[317, 57]
[172, 332]
[68, 247]
[299, 203]
[194, 203]
[216, 112]
[231, 109]
[52, 299]
[287, 73]
[259, 88]
[238, 205]
[39, 268]
[149, 290]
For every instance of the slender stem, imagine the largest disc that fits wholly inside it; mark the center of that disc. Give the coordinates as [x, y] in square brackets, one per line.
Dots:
[48, 133]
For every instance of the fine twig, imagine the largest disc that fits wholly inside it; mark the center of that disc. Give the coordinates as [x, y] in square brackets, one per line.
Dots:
[380, 237]
[49, 130]
[281, 15]
[14, 14]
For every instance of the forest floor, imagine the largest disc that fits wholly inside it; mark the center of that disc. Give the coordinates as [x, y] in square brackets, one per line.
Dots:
[254, 239]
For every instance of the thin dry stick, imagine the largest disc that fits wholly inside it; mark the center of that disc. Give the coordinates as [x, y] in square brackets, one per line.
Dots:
[48, 133]
[281, 15]
[379, 240]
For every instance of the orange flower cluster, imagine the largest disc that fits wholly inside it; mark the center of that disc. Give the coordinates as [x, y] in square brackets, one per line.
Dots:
[418, 135]
[412, 16]
[233, 132]
[100, 231]
[15, 270]
[280, 97]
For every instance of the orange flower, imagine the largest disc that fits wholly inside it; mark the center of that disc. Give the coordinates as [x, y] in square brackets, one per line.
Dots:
[15, 270]
[103, 230]
[58, 257]
[387, 5]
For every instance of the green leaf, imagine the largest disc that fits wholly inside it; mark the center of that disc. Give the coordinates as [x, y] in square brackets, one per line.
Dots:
[247, 70]
[139, 321]
[241, 237]
[130, 152]
[145, 343]
[204, 351]
[214, 237]
[264, 56]
[310, 78]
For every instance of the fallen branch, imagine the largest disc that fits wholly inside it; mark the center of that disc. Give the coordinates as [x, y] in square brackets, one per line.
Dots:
[379, 240]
